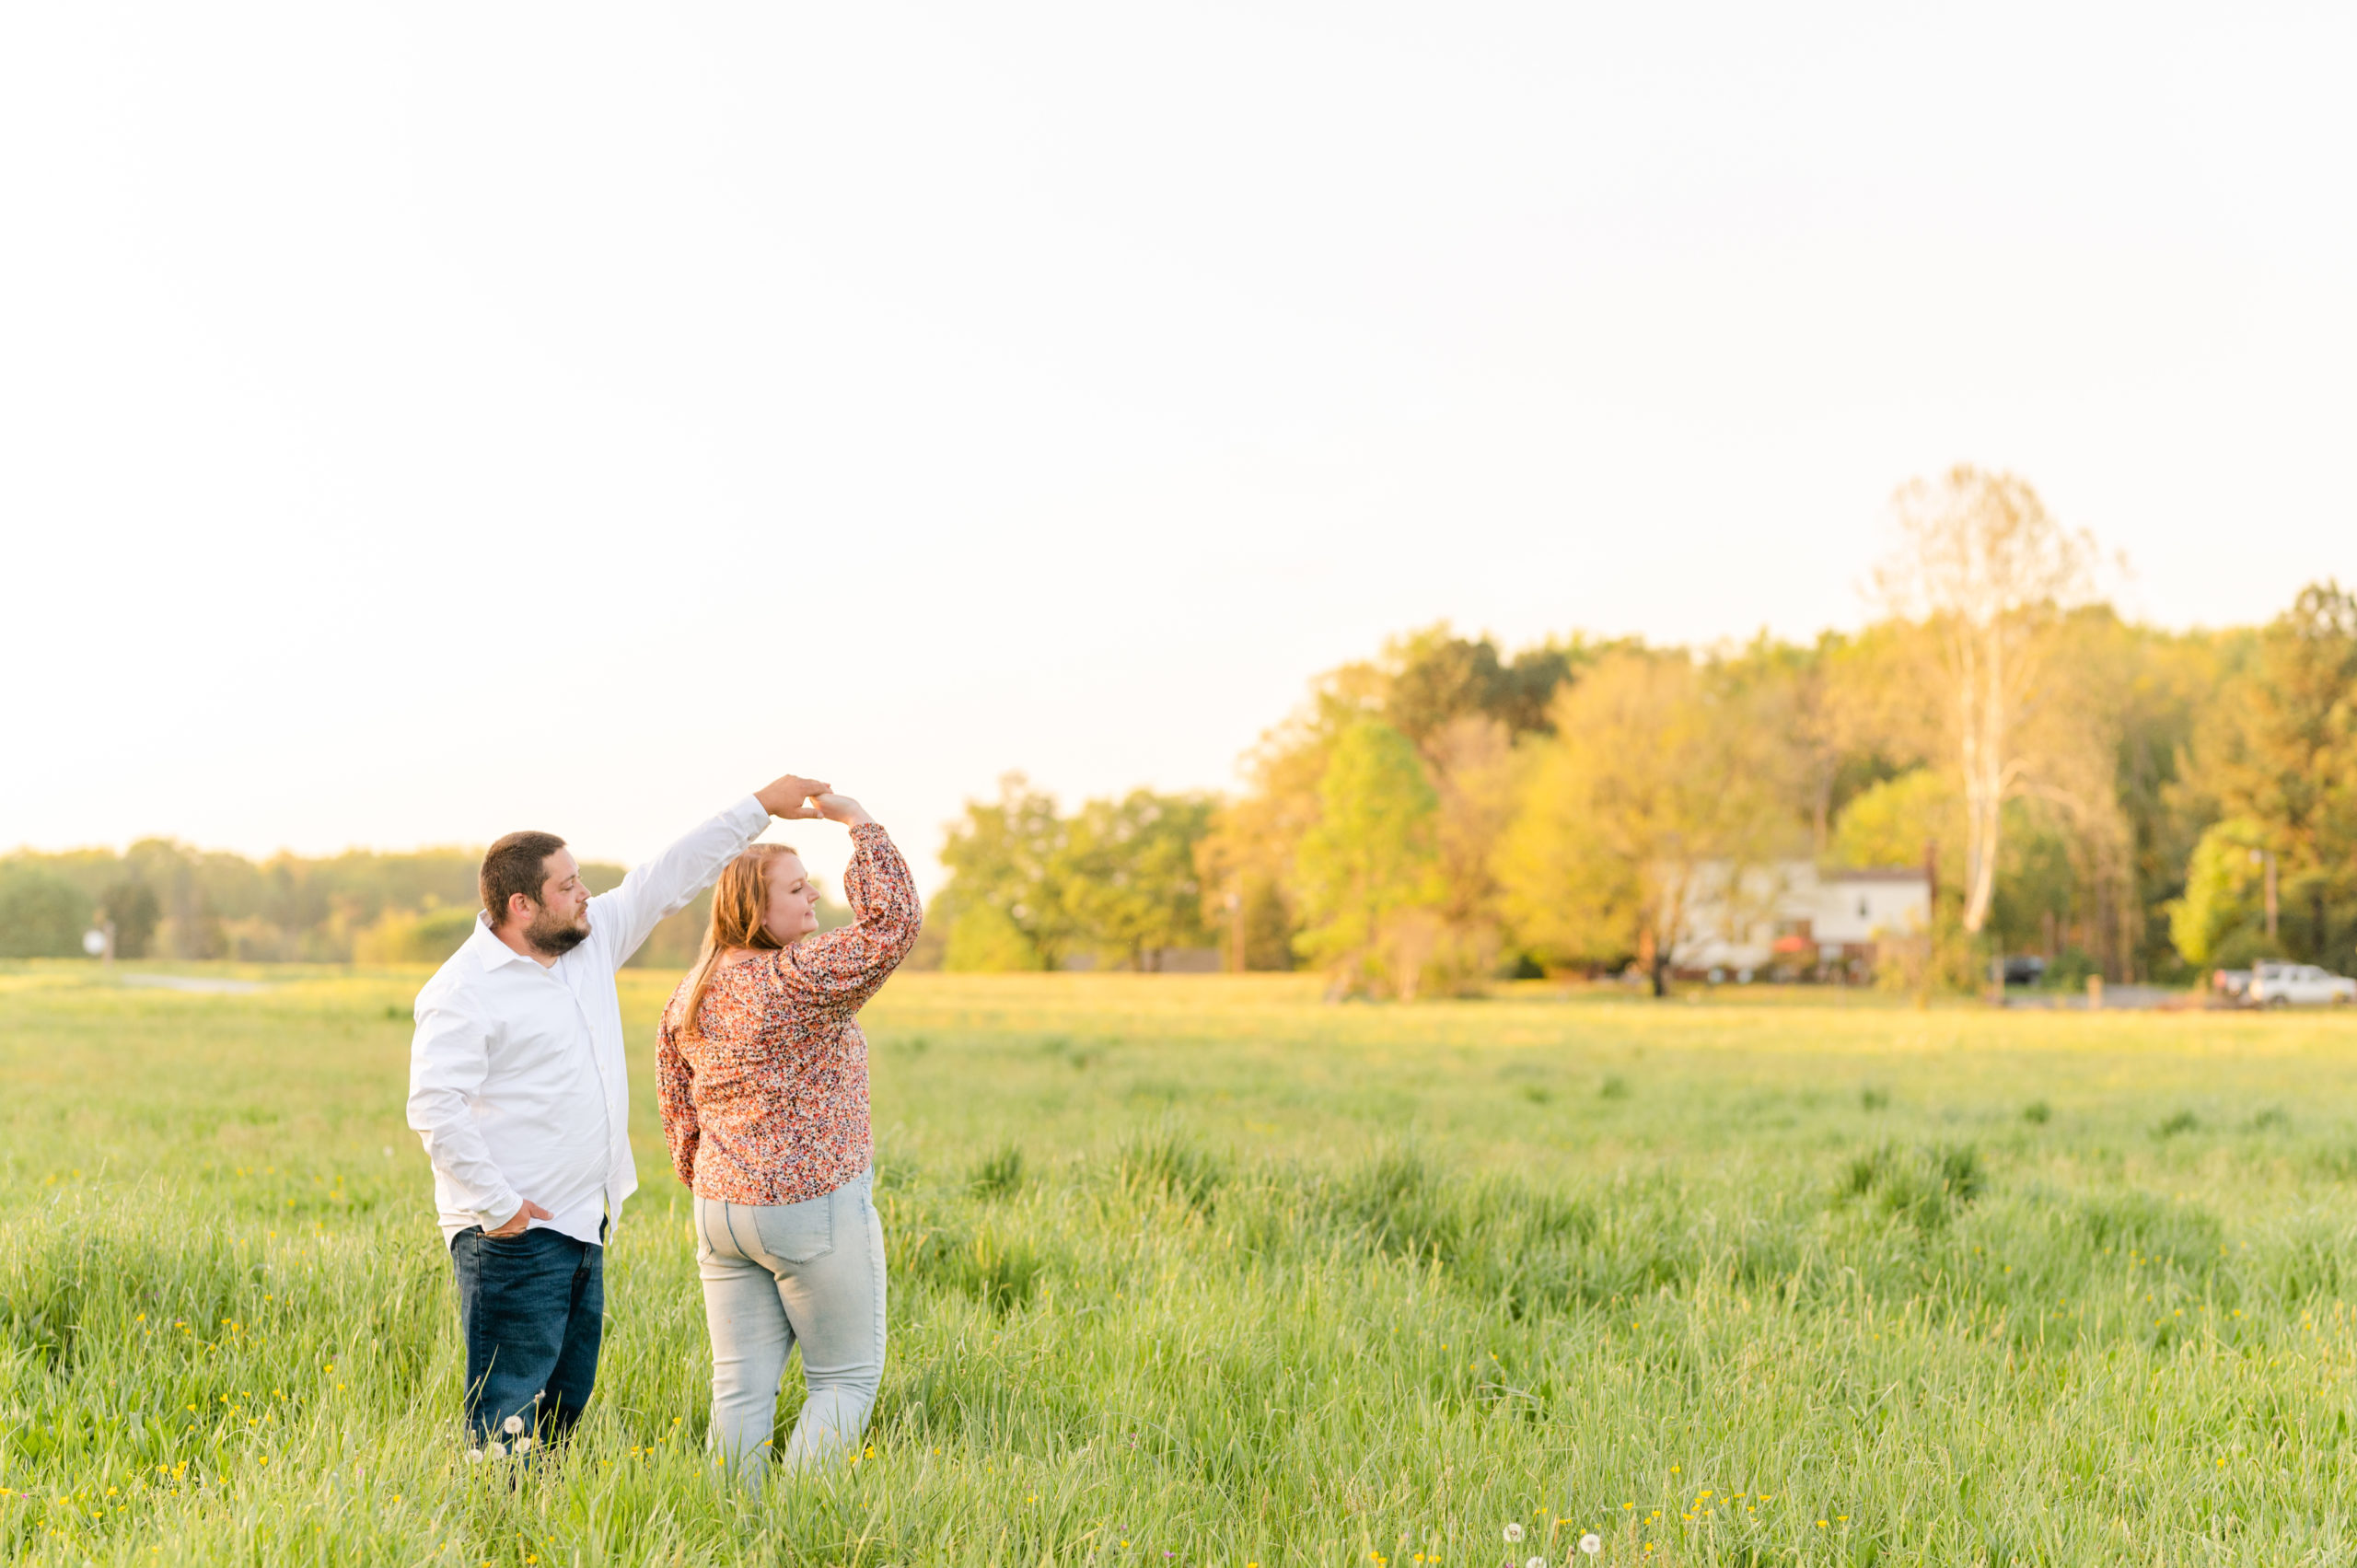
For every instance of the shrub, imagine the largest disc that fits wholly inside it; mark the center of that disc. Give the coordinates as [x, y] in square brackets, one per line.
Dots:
[401, 937]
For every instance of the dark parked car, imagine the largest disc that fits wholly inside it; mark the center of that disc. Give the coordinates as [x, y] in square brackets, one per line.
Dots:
[2024, 969]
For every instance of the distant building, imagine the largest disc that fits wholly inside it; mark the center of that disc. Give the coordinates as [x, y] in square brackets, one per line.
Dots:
[1794, 918]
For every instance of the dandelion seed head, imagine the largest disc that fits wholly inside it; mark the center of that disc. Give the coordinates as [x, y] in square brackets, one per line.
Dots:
[511, 1425]
[493, 1450]
[1591, 1543]
[1514, 1532]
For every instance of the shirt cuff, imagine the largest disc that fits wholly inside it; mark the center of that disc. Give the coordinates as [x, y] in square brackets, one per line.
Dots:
[864, 831]
[749, 817]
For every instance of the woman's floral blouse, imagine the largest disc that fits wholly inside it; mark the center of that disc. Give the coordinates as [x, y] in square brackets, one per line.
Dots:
[768, 1104]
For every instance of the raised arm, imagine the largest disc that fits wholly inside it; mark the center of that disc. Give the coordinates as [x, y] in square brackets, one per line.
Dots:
[848, 965]
[624, 918]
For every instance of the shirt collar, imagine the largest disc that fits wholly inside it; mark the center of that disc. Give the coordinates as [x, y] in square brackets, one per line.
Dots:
[490, 951]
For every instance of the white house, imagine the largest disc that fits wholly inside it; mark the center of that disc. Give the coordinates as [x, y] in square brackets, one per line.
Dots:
[1793, 915]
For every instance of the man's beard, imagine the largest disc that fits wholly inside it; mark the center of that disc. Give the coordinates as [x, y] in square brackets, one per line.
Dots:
[550, 936]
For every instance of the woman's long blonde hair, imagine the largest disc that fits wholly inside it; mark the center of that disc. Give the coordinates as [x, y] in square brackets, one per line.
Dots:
[740, 901]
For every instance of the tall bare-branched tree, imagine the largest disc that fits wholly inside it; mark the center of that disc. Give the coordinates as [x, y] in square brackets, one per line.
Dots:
[1990, 572]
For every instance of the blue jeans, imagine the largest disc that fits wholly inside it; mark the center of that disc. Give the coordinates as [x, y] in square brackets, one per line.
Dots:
[778, 1275]
[532, 1311]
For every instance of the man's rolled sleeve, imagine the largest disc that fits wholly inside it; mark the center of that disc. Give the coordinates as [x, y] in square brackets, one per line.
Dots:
[449, 1056]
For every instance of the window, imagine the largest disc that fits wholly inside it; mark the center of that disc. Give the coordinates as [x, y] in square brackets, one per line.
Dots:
[1862, 906]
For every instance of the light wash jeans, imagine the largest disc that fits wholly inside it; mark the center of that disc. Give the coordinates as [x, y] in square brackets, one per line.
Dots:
[775, 1276]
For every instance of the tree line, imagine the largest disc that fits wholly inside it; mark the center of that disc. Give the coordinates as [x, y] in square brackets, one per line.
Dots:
[2131, 801]
[2134, 802]
[168, 900]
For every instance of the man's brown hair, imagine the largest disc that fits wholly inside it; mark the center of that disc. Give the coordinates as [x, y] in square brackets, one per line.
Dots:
[516, 864]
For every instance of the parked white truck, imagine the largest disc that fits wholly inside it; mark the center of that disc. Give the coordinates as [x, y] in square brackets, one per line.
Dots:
[2289, 986]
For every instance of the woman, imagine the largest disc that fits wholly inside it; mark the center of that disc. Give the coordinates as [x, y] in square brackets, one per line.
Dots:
[763, 1083]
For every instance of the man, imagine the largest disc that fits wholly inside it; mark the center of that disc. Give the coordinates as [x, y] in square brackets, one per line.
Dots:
[516, 1086]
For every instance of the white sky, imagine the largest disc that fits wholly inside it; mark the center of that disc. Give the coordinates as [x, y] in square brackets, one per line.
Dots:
[419, 421]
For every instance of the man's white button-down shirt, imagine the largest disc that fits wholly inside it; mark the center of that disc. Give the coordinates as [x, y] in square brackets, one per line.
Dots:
[516, 1076]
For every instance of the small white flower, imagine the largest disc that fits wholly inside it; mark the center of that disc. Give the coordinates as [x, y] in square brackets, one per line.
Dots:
[474, 1456]
[511, 1425]
[1591, 1543]
[523, 1445]
[491, 1450]
[1513, 1533]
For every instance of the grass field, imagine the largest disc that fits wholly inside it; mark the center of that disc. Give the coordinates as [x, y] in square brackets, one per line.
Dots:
[1201, 1270]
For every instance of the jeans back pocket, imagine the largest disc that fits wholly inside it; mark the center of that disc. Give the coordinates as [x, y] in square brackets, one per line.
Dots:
[796, 1232]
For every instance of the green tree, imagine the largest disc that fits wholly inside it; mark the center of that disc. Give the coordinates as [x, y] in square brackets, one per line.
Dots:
[1267, 938]
[2145, 692]
[1246, 862]
[1892, 824]
[1475, 769]
[2220, 918]
[1429, 679]
[1838, 698]
[1664, 781]
[1451, 696]
[42, 916]
[1003, 860]
[2280, 755]
[132, 905]
[1128, 877]
[1368, 869]
[985, 939]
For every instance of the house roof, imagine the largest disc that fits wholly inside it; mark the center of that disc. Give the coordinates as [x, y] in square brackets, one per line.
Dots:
[1872, 874]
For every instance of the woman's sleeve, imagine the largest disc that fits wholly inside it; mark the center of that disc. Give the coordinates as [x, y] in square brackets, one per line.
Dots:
[845, 967]
[675, 1092]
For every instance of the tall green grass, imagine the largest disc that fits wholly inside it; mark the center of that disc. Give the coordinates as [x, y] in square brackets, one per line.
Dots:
[1197, 1270]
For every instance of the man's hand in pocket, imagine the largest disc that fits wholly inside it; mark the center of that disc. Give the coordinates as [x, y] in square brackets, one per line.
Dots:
[523, 1216]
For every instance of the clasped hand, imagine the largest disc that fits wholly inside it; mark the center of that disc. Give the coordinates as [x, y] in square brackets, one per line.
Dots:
[796, 799]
